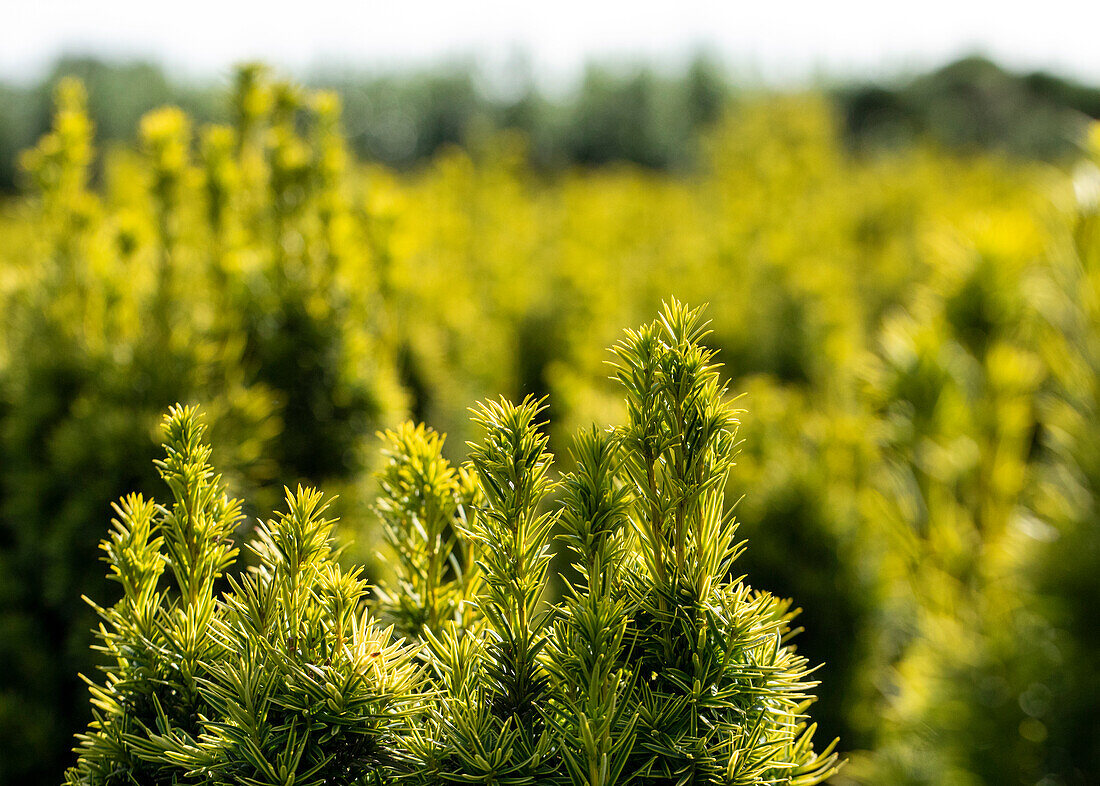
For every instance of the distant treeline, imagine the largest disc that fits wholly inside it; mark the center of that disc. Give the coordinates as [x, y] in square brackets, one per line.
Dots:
[640, 115]
[973, 104]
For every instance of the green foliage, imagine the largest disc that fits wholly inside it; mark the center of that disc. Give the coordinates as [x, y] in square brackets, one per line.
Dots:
[98, 361]
[171, 281]
[973, 104]
[280, 678]
[915, 333]
[660, 665]
[425, 506]
[488, 726]
[720, 695]
[593, 713]
[636, 114]
[1065, 575]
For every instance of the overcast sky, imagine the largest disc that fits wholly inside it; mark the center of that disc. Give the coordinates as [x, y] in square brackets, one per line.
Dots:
[776, 41]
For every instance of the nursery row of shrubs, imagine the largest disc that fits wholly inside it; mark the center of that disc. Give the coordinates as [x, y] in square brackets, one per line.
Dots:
[658, 666]
[916, 335]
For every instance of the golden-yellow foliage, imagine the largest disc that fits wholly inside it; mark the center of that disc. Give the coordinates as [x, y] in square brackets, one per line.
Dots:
[917, 333]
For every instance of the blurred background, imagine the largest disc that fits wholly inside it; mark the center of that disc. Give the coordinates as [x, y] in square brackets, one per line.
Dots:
[891, 212]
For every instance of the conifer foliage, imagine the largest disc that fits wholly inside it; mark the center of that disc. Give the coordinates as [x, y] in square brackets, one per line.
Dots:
[424, 503]
[719, 696]
[658, 666]
[279, 679]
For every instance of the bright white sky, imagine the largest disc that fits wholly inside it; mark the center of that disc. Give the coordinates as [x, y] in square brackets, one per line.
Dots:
[776, 41]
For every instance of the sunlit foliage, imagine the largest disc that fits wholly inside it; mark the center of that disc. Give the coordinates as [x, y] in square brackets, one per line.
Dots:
[660, 666]
[915, 333]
